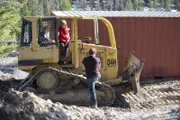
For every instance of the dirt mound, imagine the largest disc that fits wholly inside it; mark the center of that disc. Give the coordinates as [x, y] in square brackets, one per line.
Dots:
[26, 106]
[15, 105]
[14, 53]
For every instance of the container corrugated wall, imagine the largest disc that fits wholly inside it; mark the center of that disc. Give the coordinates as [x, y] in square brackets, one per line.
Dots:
[157, 40]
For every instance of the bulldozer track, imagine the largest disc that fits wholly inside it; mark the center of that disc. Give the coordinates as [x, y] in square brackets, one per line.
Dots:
[110, 92]
[154, 95]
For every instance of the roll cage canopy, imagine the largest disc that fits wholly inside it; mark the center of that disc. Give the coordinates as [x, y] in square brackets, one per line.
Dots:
[74, 21]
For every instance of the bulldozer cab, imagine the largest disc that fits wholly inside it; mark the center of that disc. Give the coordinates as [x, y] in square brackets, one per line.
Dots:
[46, 32]
[39, 42]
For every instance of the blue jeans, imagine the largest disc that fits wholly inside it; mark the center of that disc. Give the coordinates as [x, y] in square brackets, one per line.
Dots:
[92, 90]
[64, 48]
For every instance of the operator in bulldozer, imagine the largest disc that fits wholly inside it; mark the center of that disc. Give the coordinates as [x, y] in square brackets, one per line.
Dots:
[64, 38]
[44, 35]
[92, 66]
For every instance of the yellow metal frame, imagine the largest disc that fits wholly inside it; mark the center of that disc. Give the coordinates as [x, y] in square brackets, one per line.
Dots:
[109, 28]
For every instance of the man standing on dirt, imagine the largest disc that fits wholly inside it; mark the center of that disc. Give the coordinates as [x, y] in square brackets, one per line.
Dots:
[92, 65]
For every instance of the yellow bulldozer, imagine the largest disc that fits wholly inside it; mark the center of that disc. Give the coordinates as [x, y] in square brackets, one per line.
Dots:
[63, 79]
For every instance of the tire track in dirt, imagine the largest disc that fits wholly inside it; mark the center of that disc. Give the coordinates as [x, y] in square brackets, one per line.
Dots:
[155, 94]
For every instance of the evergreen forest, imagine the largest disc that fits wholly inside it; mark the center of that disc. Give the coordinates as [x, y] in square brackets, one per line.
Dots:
[11, 12]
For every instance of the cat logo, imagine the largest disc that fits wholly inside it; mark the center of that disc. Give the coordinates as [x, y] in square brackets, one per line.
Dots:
[111, 62]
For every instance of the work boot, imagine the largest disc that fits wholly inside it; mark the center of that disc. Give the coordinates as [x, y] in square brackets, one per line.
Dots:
[94, 106]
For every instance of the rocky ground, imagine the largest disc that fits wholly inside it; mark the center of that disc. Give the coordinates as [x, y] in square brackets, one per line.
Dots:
[161, 102]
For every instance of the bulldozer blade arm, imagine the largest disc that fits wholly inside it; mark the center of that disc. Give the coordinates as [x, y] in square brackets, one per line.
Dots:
[136, 82]
[135, 66]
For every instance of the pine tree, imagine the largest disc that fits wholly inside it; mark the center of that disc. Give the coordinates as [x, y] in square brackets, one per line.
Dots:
[167, 5]
[162, 3]
[9, 19]
[150, 3]
[128, 5]
[140, 4]
[32, 8]
[83, 4]
[135, 4]
[117, 4]
[101, 5]
[92, 5]
[65, 5]
[46, 7]
[57, 5]
[110, 6]
[121, 5]
[155, 4]
[97, 5]
[177, 5]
